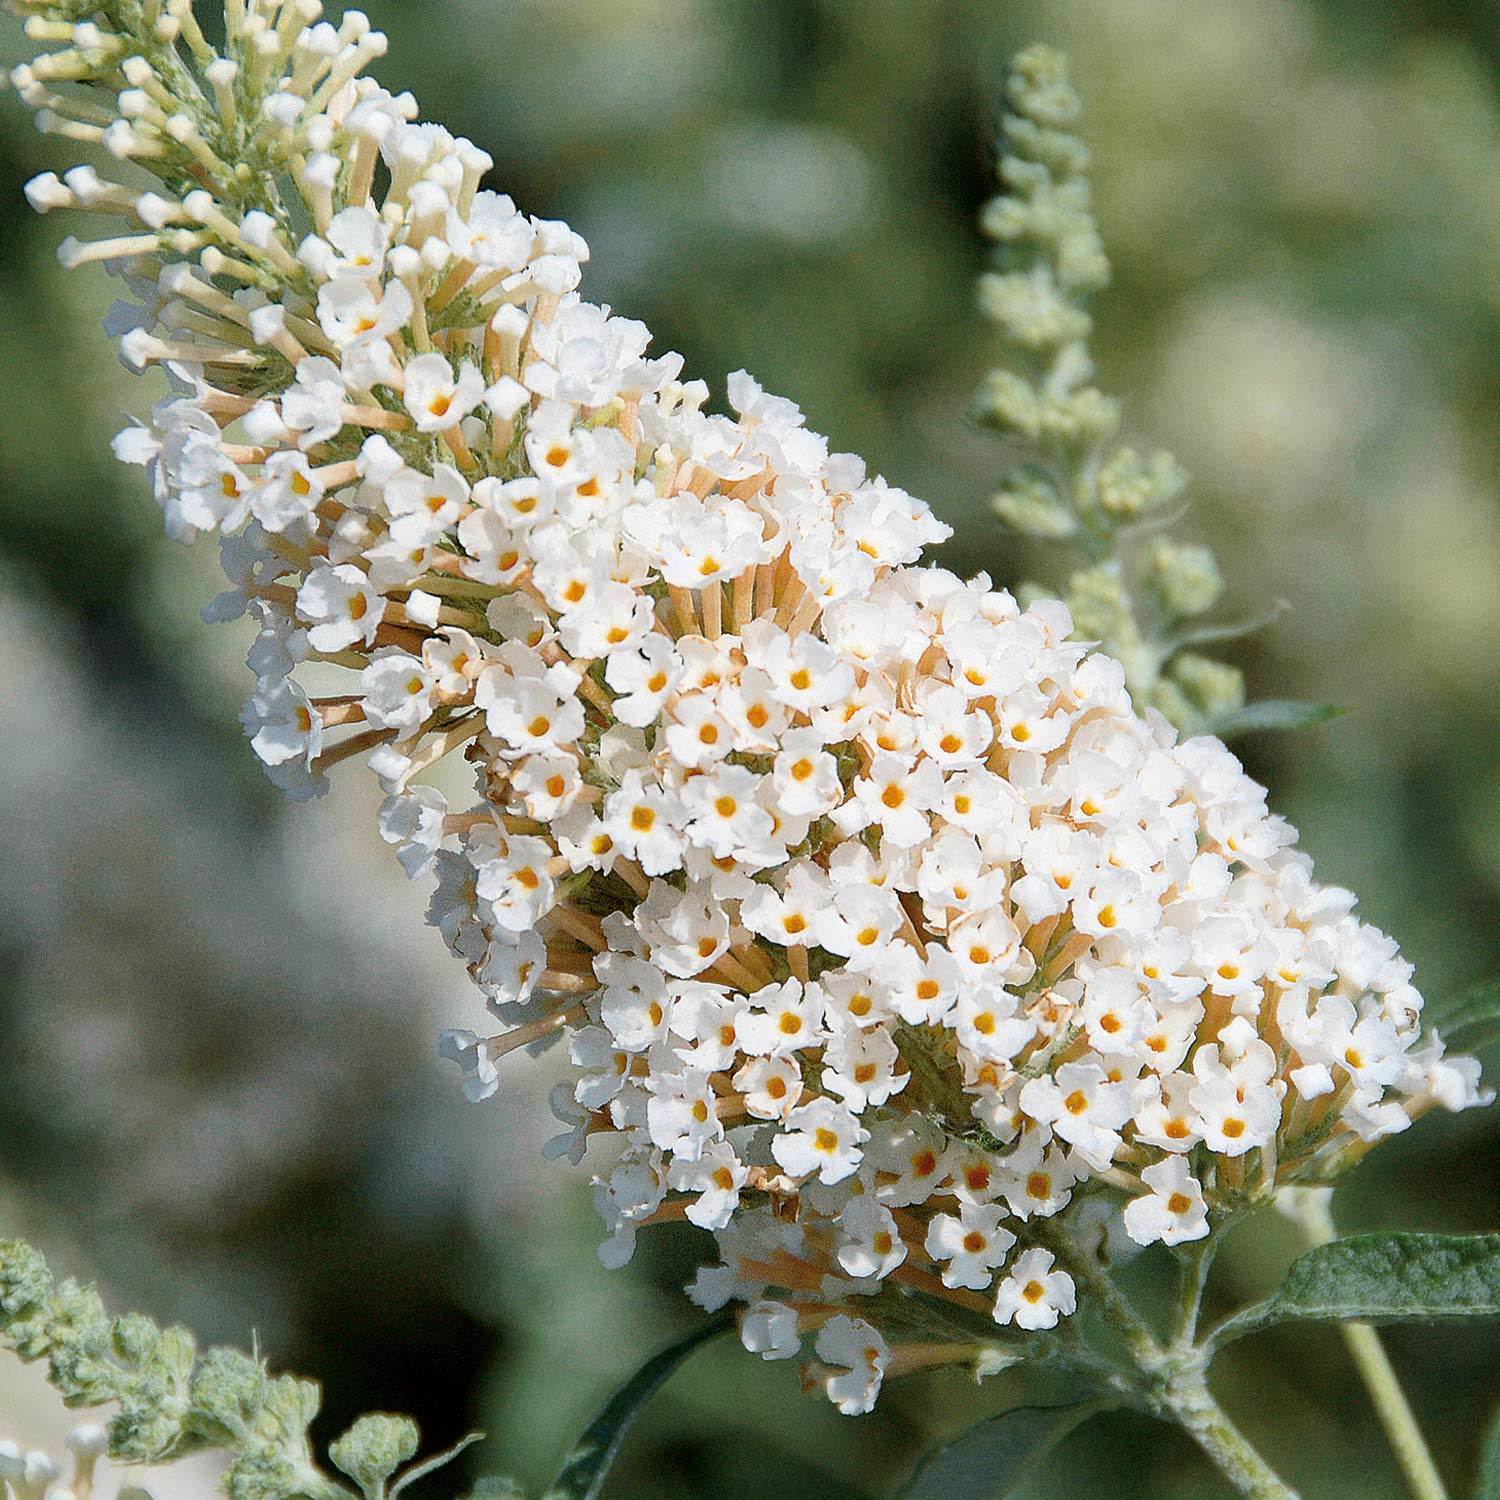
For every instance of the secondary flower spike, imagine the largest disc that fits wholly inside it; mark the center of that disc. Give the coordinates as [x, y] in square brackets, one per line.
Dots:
[886, 941]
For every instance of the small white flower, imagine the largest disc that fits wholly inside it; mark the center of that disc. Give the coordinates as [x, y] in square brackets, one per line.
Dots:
[914, 1151]
[1027, 723]
[1033, 1295]
[1039, 1182]
[636, 1005]
[759, 722]
[341, 606]
[771, 1087]
[1173, 1211]
[716, 1176]
[805, 776]
[1083, 1108]
[437, 398]
[1231, 1120]
[397, 691]
[781, 1019]
[859, 925]
[282, 724]
[769, 1329]
[987, 947]
[643, 677]
[613, 619]
[289, 494]
[425, 506]
[515, 884]
[698, 735]
[897, 795]
[972, 1243]
[681, 1116]
[529, 714]
[413, 822]
[871, 1244]
[547, 784]
[492, 234]
[857, 1347]
[787, 917]
[804, 673]
[859, 1065]
[821, 1138]
[360, 239]
[986, 1022]
[351, 310]
[1235, 1114]
[643, 822]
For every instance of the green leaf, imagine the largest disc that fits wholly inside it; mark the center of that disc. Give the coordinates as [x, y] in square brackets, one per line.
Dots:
[431, 1465]
[1472, 1018]
[989, 1460]
[1233, 630]
[586, 1467]
[1276, 714]
[1382, 1278]
[1488, 1487]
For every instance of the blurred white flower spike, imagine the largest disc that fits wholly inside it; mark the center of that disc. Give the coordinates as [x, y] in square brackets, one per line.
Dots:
[884, 936]
[30, 1474]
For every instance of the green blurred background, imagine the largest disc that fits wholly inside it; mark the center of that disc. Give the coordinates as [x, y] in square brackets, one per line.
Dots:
[217, 1013]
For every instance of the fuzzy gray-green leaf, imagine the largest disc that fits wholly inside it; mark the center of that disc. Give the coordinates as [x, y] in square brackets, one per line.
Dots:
[1275, 714]
[1472, 1018]
[1488, 1487]
[1233, 630]
[992, 1457]
[584, 1471]
[1382, 1278]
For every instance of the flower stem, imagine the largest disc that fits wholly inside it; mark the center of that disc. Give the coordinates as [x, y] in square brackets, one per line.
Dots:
[1187, 1398]
[1194, 1263]
[1111, 1304]
[1173, 1384]
[1311, 1209]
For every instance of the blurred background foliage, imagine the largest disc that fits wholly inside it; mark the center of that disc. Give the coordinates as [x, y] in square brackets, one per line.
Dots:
[220, 1096]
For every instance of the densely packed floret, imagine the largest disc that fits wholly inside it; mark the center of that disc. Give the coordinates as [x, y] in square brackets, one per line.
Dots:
[881, 930]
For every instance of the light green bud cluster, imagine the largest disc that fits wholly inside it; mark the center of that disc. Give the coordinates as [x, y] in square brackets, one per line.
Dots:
[1130, 487]
[374, 1448]
[171, 1400]
[1100, 604]
[1136, 592]
[1184, 580]
[1032, 308]
[1050, 261]
[1213, 689]
[1028, 502]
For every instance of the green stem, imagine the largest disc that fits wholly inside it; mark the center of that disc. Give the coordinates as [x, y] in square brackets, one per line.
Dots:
[1111, 1303]
[1194, 1260]
[1311, 1209]
[1172, 1379]
[1187, 1398]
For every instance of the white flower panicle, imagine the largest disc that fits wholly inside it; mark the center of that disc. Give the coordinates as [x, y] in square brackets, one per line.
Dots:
[879, 927]
[31, 1474]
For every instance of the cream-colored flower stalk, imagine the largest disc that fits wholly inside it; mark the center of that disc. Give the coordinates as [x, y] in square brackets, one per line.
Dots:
[887, 941]
[31, 1474]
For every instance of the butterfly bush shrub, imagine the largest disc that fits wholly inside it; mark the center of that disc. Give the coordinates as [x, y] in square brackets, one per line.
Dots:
[895, 938]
